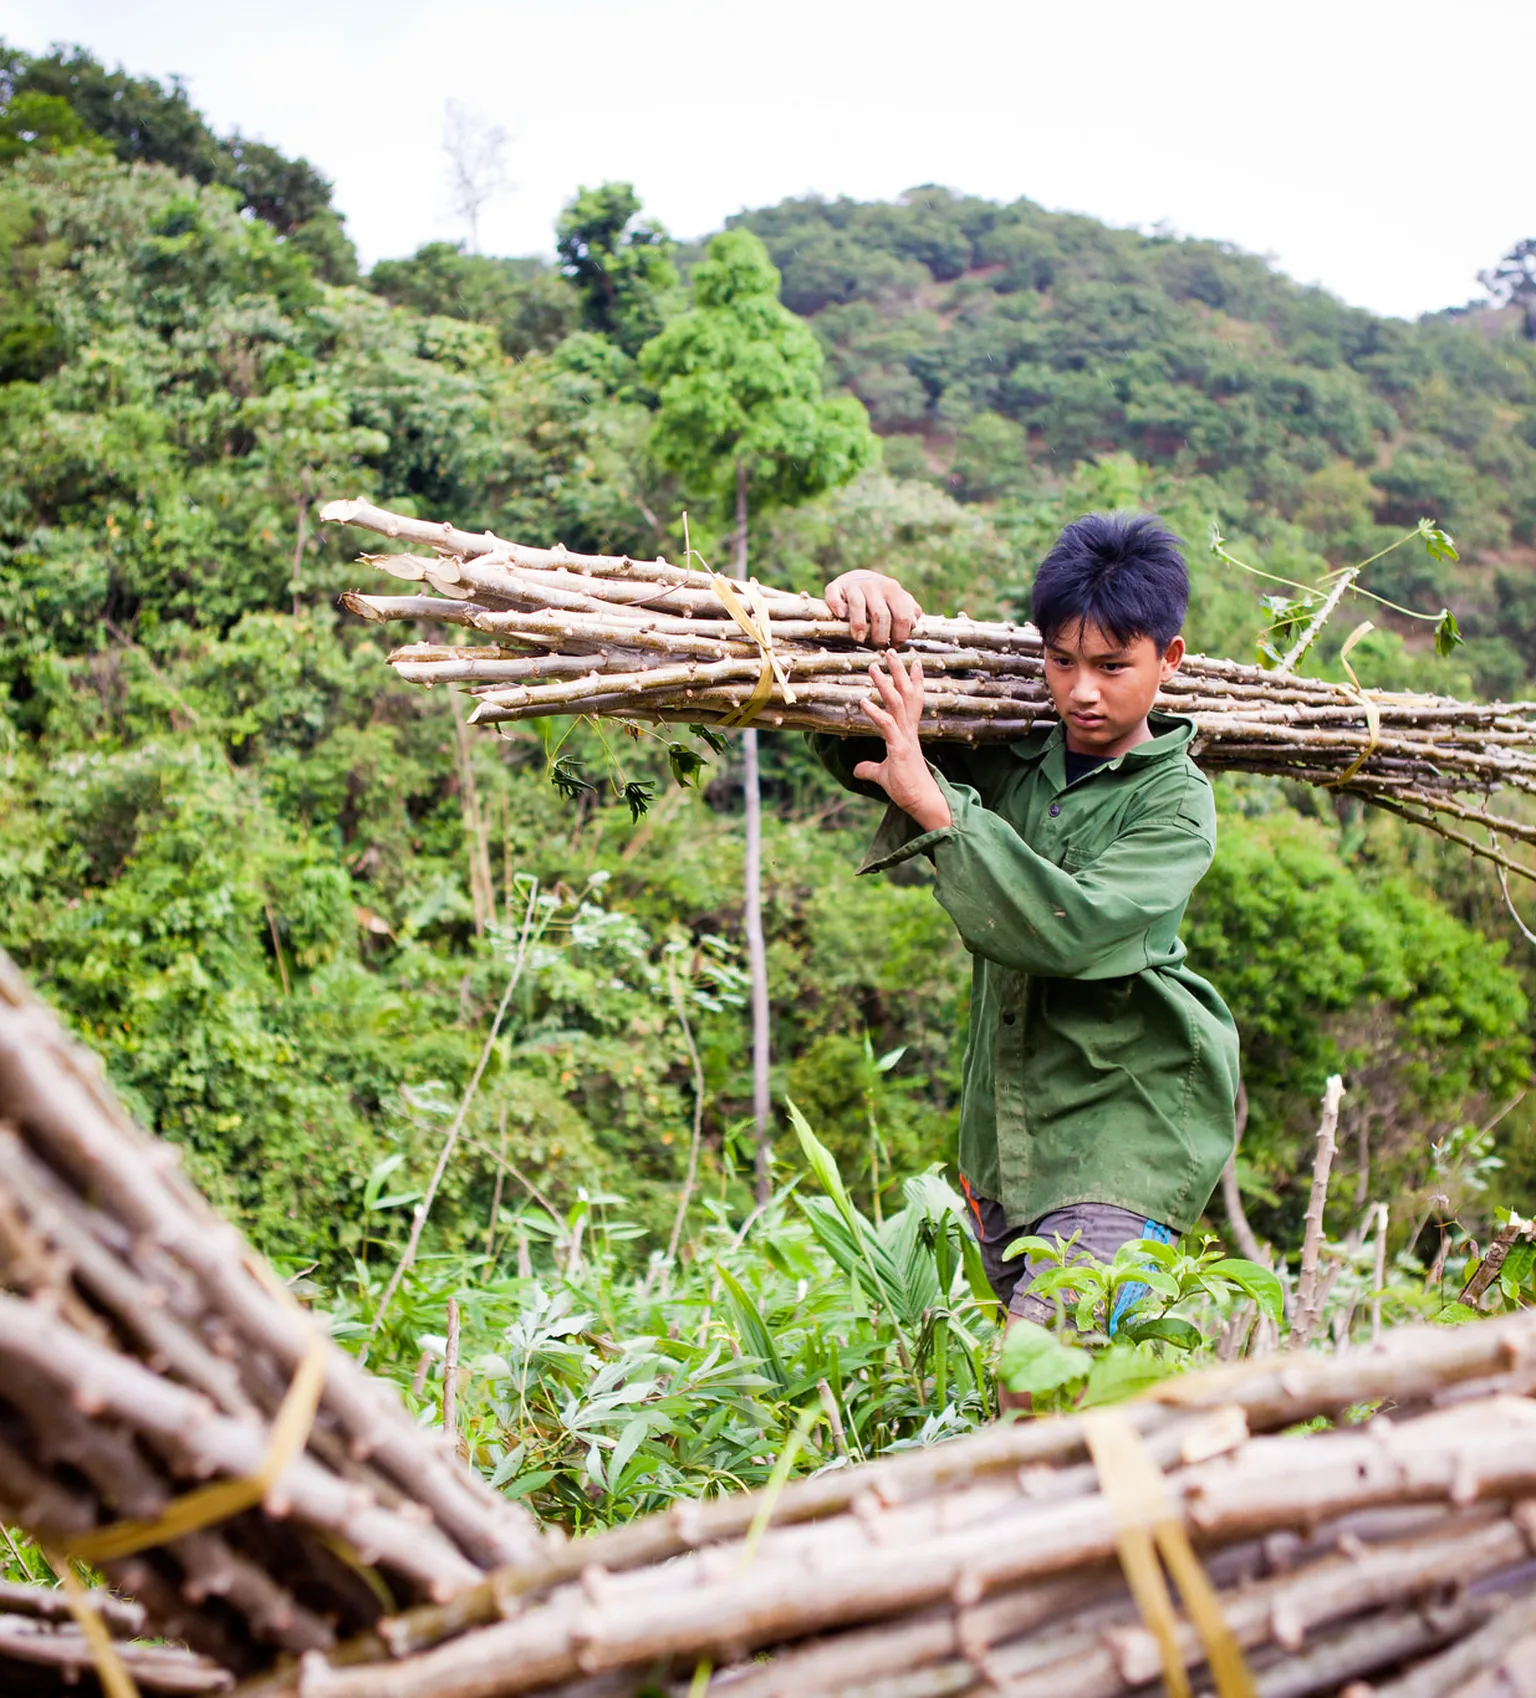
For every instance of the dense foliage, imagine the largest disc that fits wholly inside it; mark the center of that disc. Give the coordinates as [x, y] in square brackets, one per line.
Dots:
[239, 858]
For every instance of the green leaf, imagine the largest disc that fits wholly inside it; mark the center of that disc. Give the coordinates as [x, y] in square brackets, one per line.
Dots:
[823, 1165]
[508, 1466]
[1261, 1284]
[630, 1440]
[1437, 541]
[711, 739]
[1031, 1245]
[1170, 1329]
[1035, 1360]
[1123, 1371]
[752, 1329]
[686, 763]
[976, 1275]
[1447, 633]
[637, 795]
[377, 1174]
[566, 776]
[529, 1482]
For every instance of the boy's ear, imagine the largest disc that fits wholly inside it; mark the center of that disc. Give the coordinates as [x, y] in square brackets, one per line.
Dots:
[1173, 657]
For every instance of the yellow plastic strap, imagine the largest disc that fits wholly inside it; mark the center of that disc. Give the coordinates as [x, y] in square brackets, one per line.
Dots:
[758, 629]
[207, 1505]
[116, 1682]
[1137, 1493]
[1366, 701]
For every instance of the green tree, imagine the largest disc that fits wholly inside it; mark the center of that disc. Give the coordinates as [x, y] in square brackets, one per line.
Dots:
[43, 123]
[621, 268]
[744, 423]
[143, 121]
[529, 305]
[1512, 282]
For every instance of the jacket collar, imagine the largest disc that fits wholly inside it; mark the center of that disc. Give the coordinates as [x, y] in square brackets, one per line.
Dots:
[1171, 735]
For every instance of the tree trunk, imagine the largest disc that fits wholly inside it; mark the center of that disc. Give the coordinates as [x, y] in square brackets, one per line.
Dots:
[303, 538]
[757, 958]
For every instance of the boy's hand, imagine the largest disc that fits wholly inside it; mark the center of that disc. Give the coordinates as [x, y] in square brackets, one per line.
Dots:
[904, 774]
[874, 606]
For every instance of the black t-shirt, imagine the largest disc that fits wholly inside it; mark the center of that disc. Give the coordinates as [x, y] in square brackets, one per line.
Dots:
[1079, 765]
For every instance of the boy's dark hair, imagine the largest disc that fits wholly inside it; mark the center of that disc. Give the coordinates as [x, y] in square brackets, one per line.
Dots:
[1120, 571]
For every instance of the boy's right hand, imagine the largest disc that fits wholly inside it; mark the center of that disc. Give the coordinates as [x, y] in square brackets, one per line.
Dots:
[875, 606]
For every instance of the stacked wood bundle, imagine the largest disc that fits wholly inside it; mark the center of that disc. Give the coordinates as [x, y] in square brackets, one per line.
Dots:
[43, 1653]
[150, 1370]
[651, 642]
[169, 1414]
[1401, 1549]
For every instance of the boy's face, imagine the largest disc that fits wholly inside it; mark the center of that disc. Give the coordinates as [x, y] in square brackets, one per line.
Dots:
[1104, 689]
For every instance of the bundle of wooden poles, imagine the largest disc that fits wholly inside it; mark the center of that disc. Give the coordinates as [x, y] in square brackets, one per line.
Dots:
[1401, 1550]
[171, 1417]
[651, 642]
[43, 1653]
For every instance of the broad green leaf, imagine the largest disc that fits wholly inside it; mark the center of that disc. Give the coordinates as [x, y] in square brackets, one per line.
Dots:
[752, 1328]
[1259, 1283]
[1123, 1371]
[1448, 635]
[1035, 1360]
[1437, 541]
[630, 1440]
[1170, 1329]
[508, 1466]
[976, 1276]
[529, 1482]
[1029, 1245]
[822, 1164]
[686, 763]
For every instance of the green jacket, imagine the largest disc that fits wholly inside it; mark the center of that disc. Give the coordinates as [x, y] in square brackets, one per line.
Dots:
[1098, 1068]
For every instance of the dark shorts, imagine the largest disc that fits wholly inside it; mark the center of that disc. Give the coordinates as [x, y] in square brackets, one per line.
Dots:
[1101, 1229]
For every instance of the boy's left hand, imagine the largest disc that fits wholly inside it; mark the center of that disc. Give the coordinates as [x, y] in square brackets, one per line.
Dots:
[904, 774]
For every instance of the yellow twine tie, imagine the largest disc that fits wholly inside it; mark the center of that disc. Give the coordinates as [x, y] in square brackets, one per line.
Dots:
[1145, 1524]
[1367, 702]
[198, 1509]
[755, 623]
[116, 1682]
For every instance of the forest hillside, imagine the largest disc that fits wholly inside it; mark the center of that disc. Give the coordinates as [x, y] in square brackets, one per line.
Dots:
[275, 889]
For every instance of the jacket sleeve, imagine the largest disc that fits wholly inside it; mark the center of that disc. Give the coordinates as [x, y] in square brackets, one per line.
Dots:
[840, 755]
[979, 767]
[1016, 908]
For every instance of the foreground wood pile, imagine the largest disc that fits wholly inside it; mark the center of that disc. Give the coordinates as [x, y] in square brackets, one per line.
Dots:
[43, 1652]
[146, 1359]
[145, 1351]
[647, 641]
[1399, 1551]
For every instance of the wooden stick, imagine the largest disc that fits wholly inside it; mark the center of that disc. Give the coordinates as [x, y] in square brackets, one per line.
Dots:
[1308, 1302]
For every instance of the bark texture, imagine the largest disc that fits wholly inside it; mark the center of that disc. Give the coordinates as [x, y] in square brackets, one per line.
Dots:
[651, 642]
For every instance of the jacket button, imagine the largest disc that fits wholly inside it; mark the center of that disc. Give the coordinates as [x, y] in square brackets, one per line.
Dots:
[1008, 1017]
[1054, 809]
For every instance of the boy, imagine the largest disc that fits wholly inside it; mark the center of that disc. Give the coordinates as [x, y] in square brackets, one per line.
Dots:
[1100, 1073]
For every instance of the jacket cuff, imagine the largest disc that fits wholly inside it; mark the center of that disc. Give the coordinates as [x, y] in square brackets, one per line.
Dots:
[900, 837]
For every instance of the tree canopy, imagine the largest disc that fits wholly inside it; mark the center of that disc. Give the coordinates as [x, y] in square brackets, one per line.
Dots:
[739, 383]
[236, 854]
[620, 264]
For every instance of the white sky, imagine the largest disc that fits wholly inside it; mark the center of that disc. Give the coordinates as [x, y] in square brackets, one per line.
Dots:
[1373, 146]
